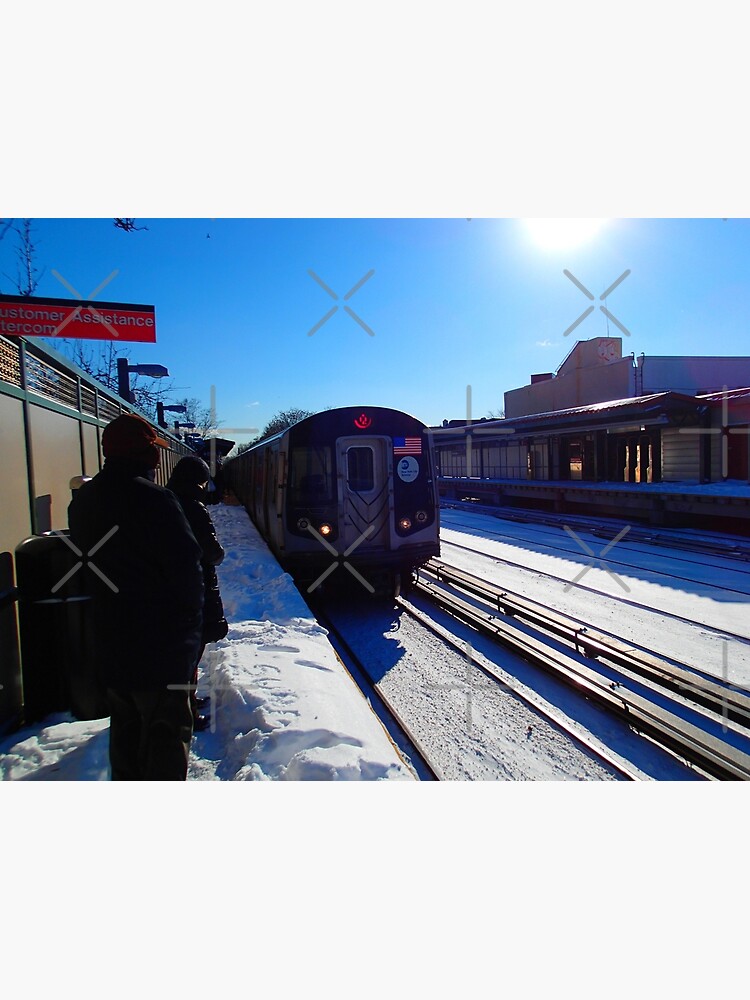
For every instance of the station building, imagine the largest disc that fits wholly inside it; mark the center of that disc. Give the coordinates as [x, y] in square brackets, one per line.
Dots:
[607, 419]
[603, 417]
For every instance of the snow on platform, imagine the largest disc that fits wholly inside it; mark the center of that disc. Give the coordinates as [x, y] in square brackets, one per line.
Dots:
[285, 708]
[731, 488]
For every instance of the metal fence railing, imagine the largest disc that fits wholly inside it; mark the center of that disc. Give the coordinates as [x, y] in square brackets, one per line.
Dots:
[52, 414]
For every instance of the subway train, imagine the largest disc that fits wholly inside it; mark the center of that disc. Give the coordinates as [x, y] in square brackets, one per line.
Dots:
[347, 496]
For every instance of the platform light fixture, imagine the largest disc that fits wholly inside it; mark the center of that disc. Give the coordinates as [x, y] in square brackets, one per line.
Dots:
[161, 409]
[177, 426]
[123, 376]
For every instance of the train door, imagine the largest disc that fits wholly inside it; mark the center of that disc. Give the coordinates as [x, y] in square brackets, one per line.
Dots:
[268, 484]
[365, 491]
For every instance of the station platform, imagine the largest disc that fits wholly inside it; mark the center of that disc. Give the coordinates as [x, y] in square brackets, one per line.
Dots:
[284, 706]
[723, 506]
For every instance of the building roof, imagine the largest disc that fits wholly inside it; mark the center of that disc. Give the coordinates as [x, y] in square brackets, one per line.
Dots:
[660, 407]
[718, 397]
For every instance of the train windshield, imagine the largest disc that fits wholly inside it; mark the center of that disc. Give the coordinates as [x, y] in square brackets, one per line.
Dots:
[310, 476]
[360, 469]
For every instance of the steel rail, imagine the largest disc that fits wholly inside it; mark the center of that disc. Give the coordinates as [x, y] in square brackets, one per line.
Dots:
[712, 756]
[359, 666]
[535, 701]
[625, 601]
[734, 547]
[589, 743]
[729, 702]
[627, 548]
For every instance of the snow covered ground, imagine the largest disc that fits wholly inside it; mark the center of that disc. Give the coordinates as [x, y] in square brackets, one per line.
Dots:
[284, 706]
[286, 709]
[690, 607]
[344, 888]
[473, 728]
[722, 488]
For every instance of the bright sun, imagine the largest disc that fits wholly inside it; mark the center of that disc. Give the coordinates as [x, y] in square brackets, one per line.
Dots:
[561, 234]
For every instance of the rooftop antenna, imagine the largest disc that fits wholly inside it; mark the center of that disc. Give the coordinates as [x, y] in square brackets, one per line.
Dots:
[606, 316]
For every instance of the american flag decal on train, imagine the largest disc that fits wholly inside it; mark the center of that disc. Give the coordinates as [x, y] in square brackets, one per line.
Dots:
[407, 446]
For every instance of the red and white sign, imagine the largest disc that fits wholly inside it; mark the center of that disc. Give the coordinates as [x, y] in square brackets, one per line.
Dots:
[24, 316]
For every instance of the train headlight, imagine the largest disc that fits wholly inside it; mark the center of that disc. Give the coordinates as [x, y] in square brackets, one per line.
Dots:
[325, 530]
[421, 516]
[405, 523]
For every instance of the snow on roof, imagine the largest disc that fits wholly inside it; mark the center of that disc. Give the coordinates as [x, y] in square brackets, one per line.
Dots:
[725, 394]
[639, 404]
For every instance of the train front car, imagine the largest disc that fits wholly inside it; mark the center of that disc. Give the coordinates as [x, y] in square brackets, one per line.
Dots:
[360, 496]
[345, 495]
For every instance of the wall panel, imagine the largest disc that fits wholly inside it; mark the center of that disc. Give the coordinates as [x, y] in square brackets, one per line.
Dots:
[15, 521]
[56, 455]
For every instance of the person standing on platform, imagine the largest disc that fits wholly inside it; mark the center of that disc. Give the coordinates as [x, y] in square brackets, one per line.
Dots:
[215, 489]
[188, 482]
[145, 574]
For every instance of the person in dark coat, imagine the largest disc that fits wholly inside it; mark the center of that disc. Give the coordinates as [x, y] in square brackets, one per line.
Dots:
[188, 483]
[143, 566]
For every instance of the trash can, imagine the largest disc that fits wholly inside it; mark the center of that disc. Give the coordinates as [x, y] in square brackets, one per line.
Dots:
[58, 651]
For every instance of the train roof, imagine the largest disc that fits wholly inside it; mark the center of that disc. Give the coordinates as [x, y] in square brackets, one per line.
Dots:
[346, 412]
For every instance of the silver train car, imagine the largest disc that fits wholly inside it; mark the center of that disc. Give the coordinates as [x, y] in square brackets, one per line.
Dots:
[349, 489]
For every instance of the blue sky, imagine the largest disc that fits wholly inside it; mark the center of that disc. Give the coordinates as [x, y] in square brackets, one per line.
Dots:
[449, 303]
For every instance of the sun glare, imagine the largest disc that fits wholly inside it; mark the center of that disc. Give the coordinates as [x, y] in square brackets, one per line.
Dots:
[561, 234]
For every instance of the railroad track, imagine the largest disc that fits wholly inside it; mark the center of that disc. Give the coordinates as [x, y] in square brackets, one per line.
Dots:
[405, 733]
[401, 735]
[493, 610]
[724, 633]
[729, 547]
[740, 570]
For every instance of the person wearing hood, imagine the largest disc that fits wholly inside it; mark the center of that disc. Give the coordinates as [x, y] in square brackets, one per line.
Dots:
[143, 565]
[188, 482]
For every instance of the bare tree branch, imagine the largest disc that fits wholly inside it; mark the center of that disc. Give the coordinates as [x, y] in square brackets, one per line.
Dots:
[28, 275]
[5, 225]
[99, 360]
[128, 225]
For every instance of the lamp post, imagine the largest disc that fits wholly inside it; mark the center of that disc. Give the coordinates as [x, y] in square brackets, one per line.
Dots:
[161, 409]
[123, 376]
[177, 426]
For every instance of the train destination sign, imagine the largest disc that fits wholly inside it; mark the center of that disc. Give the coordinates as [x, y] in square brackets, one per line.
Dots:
[25, 316]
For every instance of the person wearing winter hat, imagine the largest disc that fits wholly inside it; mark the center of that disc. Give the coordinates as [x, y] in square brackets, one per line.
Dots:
[188, 483]
[131, 437]
[143, 566]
